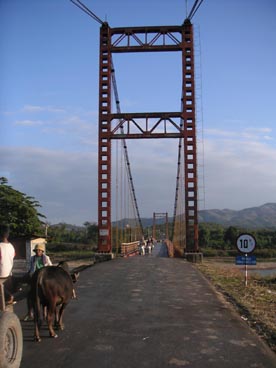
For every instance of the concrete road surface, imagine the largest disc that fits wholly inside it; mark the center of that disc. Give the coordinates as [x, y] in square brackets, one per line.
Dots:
[146, 311]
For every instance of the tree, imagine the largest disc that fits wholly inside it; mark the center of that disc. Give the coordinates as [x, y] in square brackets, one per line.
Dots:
[19, 211]
[204, 235]
[230, 236]
[92, 232]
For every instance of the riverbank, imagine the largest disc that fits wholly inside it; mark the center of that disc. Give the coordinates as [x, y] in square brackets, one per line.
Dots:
[256, 302]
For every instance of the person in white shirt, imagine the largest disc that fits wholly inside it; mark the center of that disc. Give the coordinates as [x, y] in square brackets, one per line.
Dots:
[7, 254]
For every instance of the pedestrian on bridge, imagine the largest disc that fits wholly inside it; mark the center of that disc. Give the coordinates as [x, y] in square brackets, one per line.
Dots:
[142, 246]
[149, 246]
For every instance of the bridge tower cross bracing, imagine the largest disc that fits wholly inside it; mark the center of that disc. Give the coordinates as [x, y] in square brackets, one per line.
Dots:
[159, 215]
[147, 39]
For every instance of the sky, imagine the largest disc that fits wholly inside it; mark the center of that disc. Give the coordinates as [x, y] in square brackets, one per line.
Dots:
[49, 71]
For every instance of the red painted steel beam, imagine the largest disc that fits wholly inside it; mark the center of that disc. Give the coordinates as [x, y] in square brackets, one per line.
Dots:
[142, 39]
[146, 135]
[147, 125]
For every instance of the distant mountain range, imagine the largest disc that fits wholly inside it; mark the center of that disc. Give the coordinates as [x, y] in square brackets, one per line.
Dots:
[255, 217]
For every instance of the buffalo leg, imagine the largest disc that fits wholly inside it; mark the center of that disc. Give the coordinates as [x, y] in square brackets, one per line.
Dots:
[50, 317]
[37, 325]
[60, 319]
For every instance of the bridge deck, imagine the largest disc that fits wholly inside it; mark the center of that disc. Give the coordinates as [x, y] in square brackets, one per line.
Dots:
[146, 311]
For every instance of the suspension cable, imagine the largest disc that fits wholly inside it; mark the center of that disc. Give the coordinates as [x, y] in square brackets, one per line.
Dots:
[178, 179]
[84, 8]
[177, 199]
[194, 8]
[130, 178]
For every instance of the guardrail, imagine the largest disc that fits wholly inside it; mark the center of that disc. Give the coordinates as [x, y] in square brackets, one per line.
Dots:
[170, 248]
[130, 249]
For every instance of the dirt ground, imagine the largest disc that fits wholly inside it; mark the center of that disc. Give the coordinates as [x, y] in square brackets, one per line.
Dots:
[256, 301]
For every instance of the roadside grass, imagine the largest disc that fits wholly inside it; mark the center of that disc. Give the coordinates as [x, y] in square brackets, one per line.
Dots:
[70, 255]
[256, 302]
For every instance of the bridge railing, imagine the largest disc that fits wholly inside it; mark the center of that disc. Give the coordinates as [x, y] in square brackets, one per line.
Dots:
[170, 248]
[129, 249]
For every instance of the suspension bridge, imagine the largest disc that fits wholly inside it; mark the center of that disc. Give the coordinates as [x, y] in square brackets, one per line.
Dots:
[149, 311]
[119, 126]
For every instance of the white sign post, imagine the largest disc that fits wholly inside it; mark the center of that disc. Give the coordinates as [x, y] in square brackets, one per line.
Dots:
[246, 243]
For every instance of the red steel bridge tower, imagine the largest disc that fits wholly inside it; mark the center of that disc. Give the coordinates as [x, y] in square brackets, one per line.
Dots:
[174, 124]
[147, 39]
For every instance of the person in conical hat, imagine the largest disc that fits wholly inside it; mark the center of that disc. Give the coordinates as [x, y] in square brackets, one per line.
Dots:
[40, 259]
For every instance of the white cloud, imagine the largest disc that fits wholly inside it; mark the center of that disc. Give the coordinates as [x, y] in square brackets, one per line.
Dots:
[259, 130]
[36, 109]
[71, 130]
[64, 184]
[29, 122]
[7, 113]
[239, 173]
[220, 133]
[33, 108]
[247, 134]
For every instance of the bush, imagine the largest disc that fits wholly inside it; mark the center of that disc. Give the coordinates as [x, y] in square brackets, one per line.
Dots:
[260, 253]
[65, 247]
[265, 253]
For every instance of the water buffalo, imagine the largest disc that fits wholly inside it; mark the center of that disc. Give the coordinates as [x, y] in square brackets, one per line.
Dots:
[51, 286]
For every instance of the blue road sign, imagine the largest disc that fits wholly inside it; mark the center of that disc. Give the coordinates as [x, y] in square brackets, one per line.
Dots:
[249, 260]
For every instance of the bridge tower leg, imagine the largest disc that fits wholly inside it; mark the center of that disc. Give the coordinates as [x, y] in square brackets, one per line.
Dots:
[104, 147]
[190, 143]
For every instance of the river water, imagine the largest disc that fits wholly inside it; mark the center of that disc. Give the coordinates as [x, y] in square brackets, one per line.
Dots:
[264, 272]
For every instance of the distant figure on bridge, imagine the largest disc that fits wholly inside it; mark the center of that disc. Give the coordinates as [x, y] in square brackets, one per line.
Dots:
[142, 246]
[148, 247]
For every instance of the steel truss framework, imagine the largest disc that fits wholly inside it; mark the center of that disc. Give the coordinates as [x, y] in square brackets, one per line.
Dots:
[180, 124]
[160, 215]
